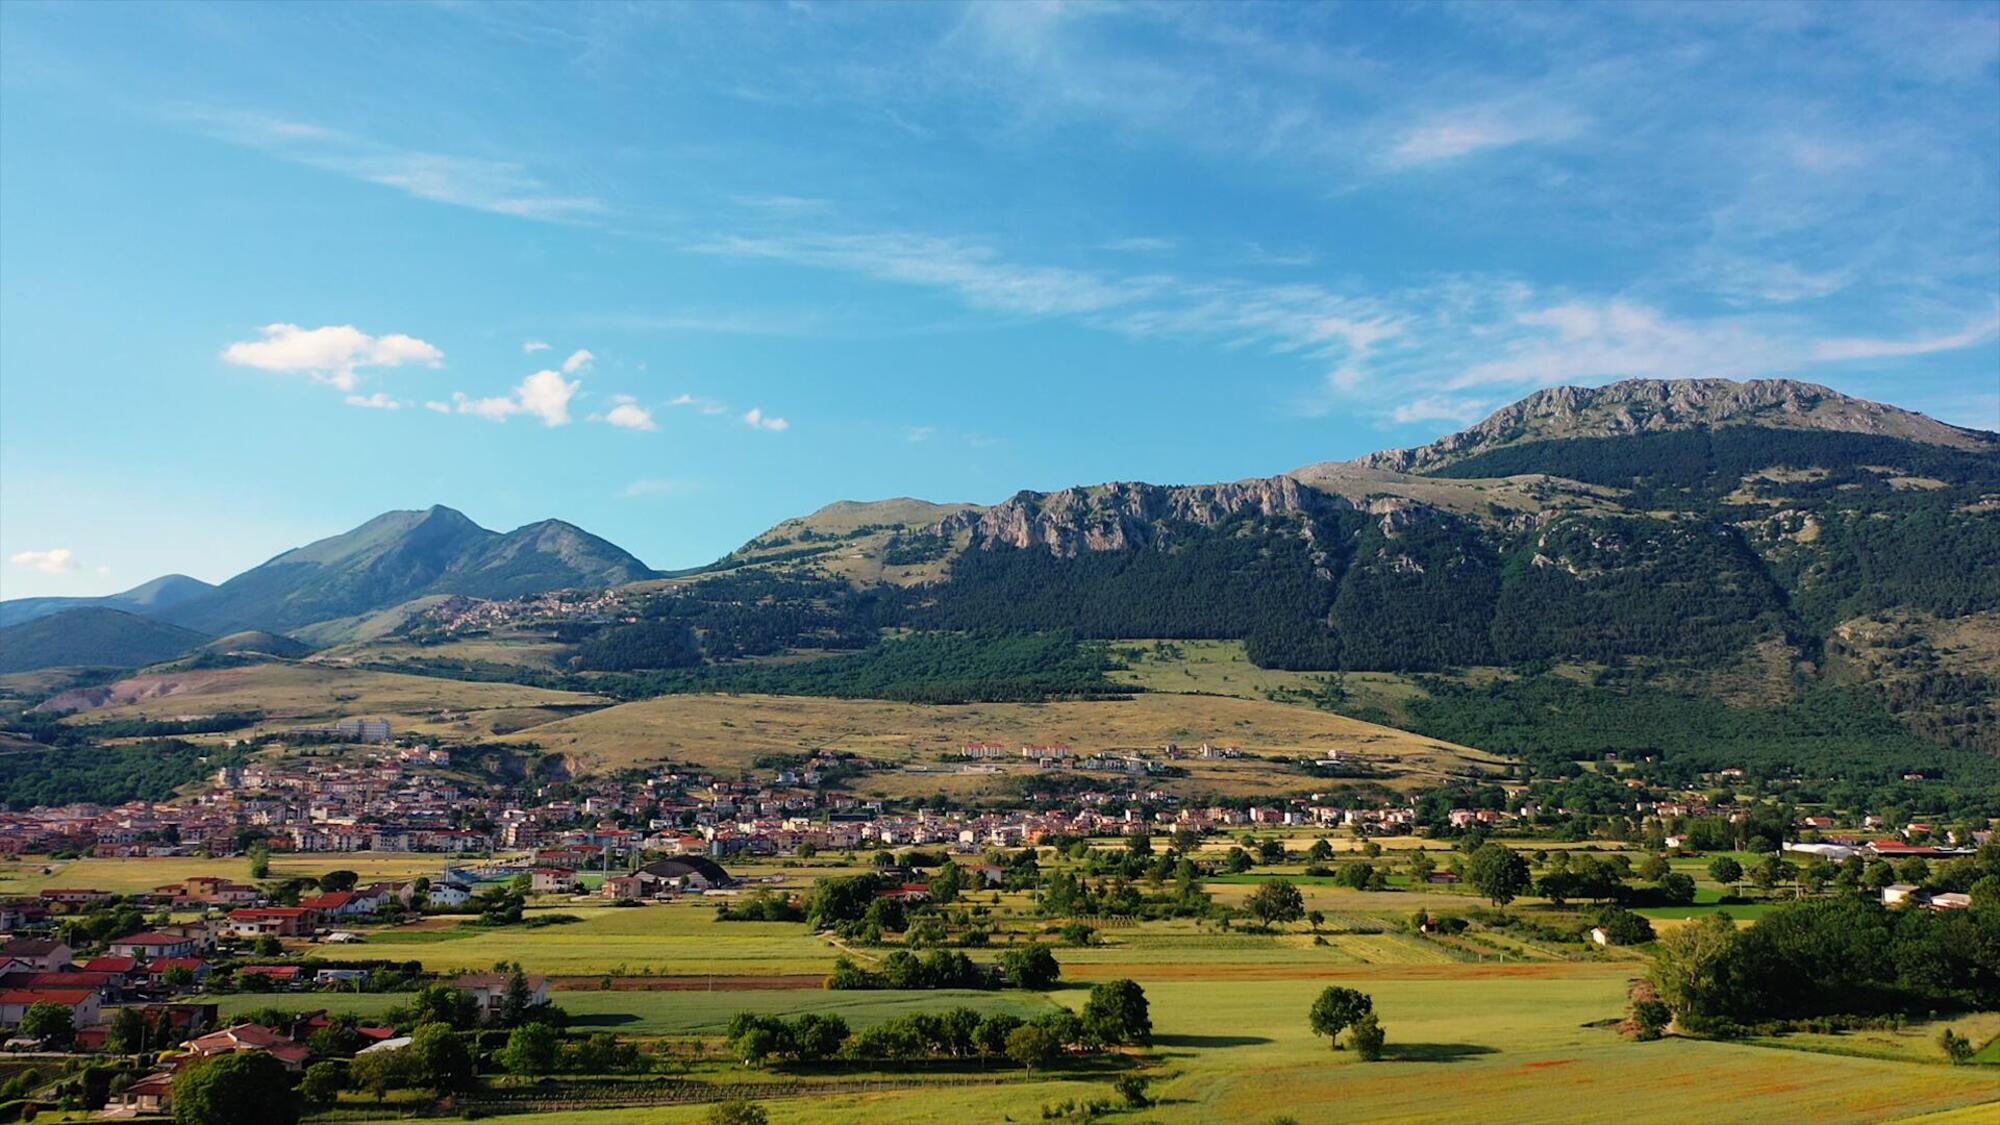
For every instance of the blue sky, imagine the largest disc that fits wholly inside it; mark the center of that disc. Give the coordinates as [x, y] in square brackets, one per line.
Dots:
[674, 273]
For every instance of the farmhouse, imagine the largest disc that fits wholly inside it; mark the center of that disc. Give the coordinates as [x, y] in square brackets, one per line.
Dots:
[251, 1037]
[275, 921]
[40, 954]
[489, 991]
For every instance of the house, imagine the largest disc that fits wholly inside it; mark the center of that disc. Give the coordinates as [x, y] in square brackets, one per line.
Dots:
[552, 880]
[1600, 936]
[157, 971]
[272, 921]
[447, 894]
[75, 896]
[251, 1037]
[85, 1006]
[283, 976]
[151, 1095]
[343, 904]
[689, 871]
[489, 991]
[1897, 894]
[1950, 900]
[153, 944]
[44, 955]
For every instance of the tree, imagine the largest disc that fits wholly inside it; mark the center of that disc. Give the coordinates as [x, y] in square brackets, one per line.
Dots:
[1420, 867]
[1725, 870]
[1367, 1037]
[514, 1004]
[334, 881]
[1654, 868]
[1276, 901]
[269, 946]
[1336, 1010]
[322, 1083]
[1032, 1046]
[441, 1003]
[1956, 1047]
[246, 1088]
[531, 1049]
[260, 860]
[53, 1024]
[128, 1031]
[1117, 1012]
[439, 1059]
[1691, 969]
[1320, 852]
[738, 1111]
[947, 884]
[379, 1072]
[1676, 888]
[1031, 967]
[1498, 873]
[1316, 919]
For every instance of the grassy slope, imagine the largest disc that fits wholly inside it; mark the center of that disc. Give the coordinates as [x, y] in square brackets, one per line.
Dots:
[291, 693]
[729, 732]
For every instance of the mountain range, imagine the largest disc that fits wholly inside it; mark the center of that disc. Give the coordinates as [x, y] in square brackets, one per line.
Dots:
[1742, 537]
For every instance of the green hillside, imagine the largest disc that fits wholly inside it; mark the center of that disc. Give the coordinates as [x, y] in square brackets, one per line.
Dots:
[93, 636]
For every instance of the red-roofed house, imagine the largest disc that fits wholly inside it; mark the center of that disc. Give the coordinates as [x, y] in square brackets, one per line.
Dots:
[84, 1004]
[273, 921]
[251, 1037]
[152, 945]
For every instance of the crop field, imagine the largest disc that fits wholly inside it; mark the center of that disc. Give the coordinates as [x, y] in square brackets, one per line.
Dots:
[127, 876]
[725, 732]
[1522, 1048]
[1917, 1042]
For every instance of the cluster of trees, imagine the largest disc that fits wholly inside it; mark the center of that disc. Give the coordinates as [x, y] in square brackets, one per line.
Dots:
[1116, 1013]
[1031, 967]
[761, 907]
[1840, 955]
[107, 775]
[923, 668]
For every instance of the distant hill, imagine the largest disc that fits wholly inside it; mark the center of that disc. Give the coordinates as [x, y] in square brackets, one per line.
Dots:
[402, 555]
[259, 642]
[159, 594]
[95, 636]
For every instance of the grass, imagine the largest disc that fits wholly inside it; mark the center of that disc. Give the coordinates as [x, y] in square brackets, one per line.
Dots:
[727, 733]
[293, 693]
[128, 876]
[1916, 1042]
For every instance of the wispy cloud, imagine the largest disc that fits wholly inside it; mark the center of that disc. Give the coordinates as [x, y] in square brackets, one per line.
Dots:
[917, 434]
[377, 401]
[1439, 408]
[501, 187]
[698, 404]
[1462, 132]
[1141, 245]
[657, 486]
[1847, 348]
[530, 347]
[579, 360]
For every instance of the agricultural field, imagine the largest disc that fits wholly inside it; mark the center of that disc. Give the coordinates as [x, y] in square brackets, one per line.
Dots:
[728, 733]
[129, 876]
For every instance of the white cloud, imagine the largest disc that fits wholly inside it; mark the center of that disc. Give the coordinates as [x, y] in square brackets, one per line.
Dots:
[544, 395]
[657, 486]
[376, 401]
[629, 415]
[56, 560]
[331, 354]
[919, 433]
[103, 570]
[1583, 341]
[757, 419]
[530, 347]
[704, 405]
[1862, 347]
[440, 407]
[579, 360]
